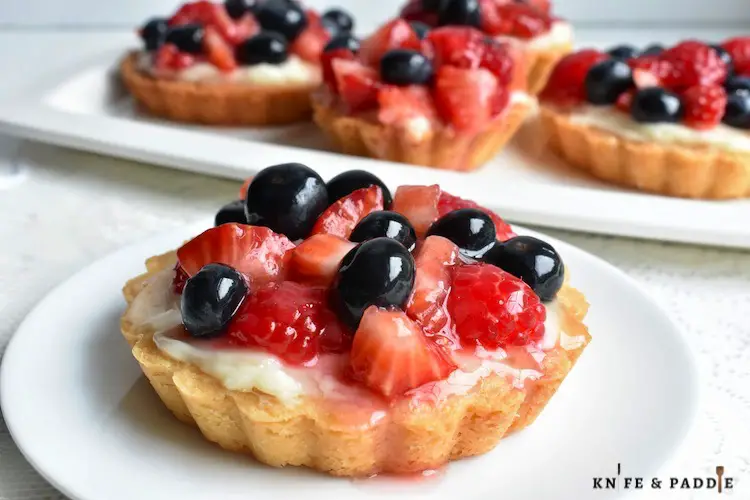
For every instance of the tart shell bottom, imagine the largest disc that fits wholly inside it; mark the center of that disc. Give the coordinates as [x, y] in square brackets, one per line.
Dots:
[410, 438]
[681, 170]
[216, 103]
[541, 63]
[440, 148]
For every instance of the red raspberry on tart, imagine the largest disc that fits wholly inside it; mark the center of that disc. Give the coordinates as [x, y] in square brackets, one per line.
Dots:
[256, 63]
[412, 348]
[528, 26]
[449, 100]
[684, 111]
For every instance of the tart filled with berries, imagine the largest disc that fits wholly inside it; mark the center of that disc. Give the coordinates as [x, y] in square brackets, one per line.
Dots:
[449, 100]
[528, 25]
[355, 332]
[673, 121]
[243, 62]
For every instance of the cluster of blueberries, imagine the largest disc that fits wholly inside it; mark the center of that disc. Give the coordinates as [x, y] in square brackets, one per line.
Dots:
[608, 79]
[380, 270]
[281, 21]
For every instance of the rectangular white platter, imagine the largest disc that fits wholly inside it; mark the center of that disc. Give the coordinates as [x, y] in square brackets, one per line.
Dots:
[84, 107]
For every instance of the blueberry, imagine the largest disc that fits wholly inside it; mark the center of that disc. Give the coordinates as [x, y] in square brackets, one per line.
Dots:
[405, 67]
[653, 50]
[386, 224]
[725, 56]
[265, 47]
[338, 20]
[377, 272]
[421, 29]
[343, 41]
[238, 8]
[654, 105]
[231, 212]
[351, 180]
[283, 16]
[460, 13]
[623, 52]
[286, 198]
[737, 83]
[433, 5]
[472, 230]
[154, 32]
[737, 112]
[534, 261]
[210, 300]
[606, 80]
[187, 37]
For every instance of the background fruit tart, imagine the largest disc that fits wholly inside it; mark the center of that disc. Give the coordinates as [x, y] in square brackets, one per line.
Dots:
[243, 62]
[529, 26]
[451, 98]
[395, 335]
[672, 121]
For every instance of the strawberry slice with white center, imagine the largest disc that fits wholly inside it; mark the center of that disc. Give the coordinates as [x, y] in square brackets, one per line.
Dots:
[391, 355]
[401, 104]
[218, 51]
[310, 43]
[464, 97]
[419, 204]
[427, 304]
[341, 218]
[397, 34]
[316, 260]
[257, 252]
[357, 84]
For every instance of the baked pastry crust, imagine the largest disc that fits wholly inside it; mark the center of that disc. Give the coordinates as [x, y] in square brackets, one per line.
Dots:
[216, 103]
[675, 169]
[542, 62]
[440, 147]
[412, 438]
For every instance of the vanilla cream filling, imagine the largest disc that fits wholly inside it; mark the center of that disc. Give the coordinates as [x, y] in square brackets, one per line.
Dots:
[560, 33]
[247, 370]
[292, 71]
[619, 123]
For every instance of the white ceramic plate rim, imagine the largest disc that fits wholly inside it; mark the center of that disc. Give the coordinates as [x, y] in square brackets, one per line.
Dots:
[43, 461]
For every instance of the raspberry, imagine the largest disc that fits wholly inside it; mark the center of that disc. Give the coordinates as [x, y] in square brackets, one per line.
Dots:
[693, 63]
[289, 320]
[739, 49]
[492, 308]
[565, 86]
[704, 106]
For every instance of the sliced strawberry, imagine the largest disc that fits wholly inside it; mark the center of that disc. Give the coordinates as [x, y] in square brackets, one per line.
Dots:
[287, 319]
[498, 59]
[566, 83]
[257, 252]
[218, 51]
[169, 58]
[208, 13]
[398, 104]
[243, 188]
[457, 46]
[397, 34]
[464, 97]
[358, 84]
[419, 204]
[427, 304]
[316, 260]
[625, 101]
[244, 28]
[391, 355]
[326, 63]
[340, 218]
[518, 20]
[649, 71]
[310, 43]
[449, 203]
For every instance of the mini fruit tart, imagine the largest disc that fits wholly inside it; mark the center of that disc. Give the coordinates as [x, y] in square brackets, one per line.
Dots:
[529, 26]
[451, 100]
[354, 333]
[244, 62]
[672, 121]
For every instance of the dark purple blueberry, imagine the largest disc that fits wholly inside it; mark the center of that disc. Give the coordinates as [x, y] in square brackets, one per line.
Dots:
[337, 21]
[154, 32]
[343, 41]
[606, 80]
[187, 38]
[472, 230]
[231, 212]
[656, 105]
[405, 67]
[737, 112]
[623, 52]
[286, 198]
[460, 13]
[653, 50]
[726, 57]
[238, 8]
[384, 223]
[282, 16]
[347, 182]
[265, 47]
[737, 83]
[420, 28]
[210, 300]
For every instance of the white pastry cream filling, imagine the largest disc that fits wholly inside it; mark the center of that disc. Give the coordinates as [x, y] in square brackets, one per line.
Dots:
[561, 33]
[615, 121]
[247, 370]
[292, 71]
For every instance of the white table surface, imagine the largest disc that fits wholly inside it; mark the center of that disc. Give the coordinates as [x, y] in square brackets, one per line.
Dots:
[72, 208]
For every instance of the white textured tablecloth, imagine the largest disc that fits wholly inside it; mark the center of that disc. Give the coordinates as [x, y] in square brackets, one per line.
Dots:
[74, 208]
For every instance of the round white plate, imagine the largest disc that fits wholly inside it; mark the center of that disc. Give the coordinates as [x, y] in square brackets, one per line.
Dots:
[80, 410]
